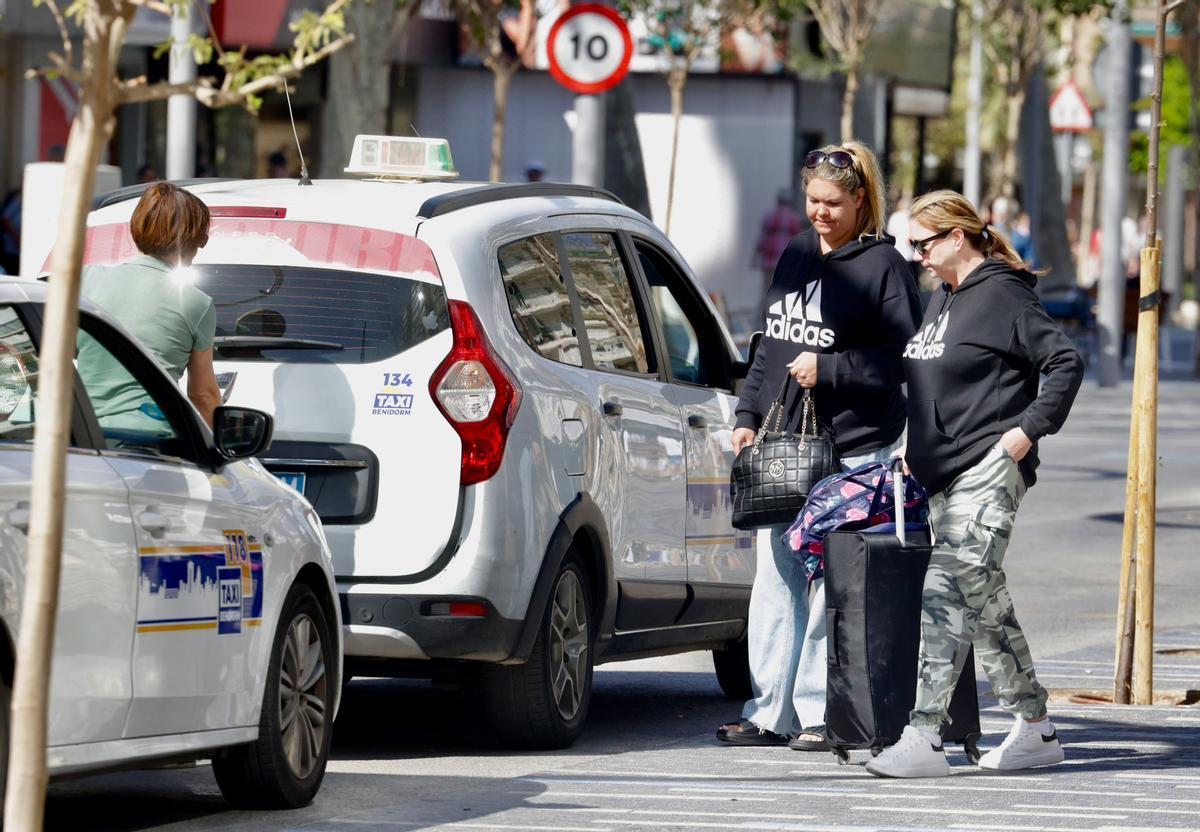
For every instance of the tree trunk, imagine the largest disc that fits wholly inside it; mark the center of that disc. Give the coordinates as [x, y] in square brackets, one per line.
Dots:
[503, 72]
[624, 169]
[1012, 133]
[359, 84]
[104, 33]
[677, 81]
[848, 97]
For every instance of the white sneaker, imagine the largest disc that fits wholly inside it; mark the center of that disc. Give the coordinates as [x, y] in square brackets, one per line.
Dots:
[1024, 747]
[913, 756]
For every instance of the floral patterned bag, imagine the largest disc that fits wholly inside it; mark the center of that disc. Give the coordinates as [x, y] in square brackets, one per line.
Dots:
[856, 499]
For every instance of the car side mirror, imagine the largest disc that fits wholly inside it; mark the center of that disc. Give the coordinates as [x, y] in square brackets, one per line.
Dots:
[740, 369]
[241, 432]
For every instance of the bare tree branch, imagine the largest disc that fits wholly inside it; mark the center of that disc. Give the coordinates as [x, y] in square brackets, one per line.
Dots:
[60, 21]
[60, 69]
[137, 90]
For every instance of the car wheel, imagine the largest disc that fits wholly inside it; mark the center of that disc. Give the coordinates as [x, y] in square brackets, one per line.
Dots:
[732, 664]
[283, 769]
[543, 702]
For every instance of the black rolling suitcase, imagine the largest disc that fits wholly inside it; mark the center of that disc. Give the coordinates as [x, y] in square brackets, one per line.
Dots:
[873, 582]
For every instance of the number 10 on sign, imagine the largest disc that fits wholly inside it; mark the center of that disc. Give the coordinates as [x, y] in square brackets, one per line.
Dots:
[589, 49]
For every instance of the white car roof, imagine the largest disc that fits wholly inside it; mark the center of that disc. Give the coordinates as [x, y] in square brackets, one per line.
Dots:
[370, 203]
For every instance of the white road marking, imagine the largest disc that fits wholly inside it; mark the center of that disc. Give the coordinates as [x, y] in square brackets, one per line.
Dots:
[1091, 815]
[635, 796]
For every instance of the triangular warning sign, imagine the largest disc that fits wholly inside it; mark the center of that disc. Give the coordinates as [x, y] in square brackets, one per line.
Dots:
[1069, 111]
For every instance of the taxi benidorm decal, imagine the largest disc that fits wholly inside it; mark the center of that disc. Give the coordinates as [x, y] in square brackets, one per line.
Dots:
[217, 587]
[392, 400]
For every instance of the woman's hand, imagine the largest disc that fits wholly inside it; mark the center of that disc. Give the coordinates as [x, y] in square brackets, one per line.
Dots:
[741, 438]
[804, 369]
[1016, 444]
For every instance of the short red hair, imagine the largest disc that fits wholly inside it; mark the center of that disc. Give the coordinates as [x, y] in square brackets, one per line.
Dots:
[169, 222]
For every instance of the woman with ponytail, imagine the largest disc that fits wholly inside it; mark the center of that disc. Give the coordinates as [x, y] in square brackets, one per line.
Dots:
[841, 306]
[975, 415]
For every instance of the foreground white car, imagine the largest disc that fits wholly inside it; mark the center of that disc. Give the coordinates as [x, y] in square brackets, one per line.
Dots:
[197, 611]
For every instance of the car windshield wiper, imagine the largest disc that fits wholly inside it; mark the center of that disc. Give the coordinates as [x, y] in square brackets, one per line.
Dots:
[262, 342]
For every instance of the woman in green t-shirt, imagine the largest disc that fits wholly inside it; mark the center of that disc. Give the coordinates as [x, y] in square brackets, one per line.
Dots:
[172, 319]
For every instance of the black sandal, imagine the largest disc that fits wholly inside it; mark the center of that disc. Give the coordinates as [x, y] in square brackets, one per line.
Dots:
[798, 743]
[746, 732]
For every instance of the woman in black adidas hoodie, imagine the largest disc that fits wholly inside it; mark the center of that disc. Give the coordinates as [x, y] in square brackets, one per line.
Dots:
[975, 415]
[840, 308]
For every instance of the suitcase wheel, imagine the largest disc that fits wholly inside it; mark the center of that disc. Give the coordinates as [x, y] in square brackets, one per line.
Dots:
[843, 756]
[971, 746]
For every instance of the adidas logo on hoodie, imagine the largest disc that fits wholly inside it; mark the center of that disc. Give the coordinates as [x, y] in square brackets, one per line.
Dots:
[928, 343]
[791, 319]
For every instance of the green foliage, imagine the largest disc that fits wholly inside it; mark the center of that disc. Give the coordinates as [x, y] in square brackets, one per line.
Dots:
[1176, 117]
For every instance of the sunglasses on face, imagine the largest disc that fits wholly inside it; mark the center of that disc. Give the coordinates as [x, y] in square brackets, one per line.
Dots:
[840, 159]
[922, 246]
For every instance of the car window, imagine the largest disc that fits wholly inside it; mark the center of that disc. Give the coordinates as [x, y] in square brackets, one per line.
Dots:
[130, 416]
[610, 316]
[538, 299]
[684, 324]
[18, 379]
[295, 314]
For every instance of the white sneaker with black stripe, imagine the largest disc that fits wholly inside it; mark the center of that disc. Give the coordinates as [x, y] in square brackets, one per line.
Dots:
[914, 755]
[1025, 747]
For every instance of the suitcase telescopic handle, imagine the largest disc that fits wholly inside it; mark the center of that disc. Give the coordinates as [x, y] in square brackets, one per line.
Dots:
[897, 466]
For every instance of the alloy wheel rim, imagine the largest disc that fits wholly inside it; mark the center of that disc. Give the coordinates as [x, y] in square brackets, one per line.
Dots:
[302, 696]
[568, 644]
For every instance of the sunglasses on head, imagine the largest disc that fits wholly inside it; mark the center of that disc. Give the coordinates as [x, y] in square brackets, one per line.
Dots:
[922, 246]
[840, 159]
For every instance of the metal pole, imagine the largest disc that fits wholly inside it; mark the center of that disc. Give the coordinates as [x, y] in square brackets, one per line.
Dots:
[1173, 225]
[587, 143]
[1062, 146]
[181, 109]
[921, 182]
[1111, 289]
[972, 155]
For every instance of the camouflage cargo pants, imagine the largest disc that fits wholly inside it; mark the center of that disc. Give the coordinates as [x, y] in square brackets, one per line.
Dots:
[966, 599]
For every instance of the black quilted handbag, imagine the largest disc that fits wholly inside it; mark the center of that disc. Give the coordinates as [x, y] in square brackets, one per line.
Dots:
[772, 477]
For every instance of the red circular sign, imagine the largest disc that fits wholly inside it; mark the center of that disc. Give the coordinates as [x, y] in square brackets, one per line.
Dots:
[589, 49]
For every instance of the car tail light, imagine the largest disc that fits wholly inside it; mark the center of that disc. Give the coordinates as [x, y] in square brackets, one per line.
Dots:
[477, 394]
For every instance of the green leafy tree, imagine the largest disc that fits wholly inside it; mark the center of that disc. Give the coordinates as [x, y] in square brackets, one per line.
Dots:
[104, 25]
[1176, 126]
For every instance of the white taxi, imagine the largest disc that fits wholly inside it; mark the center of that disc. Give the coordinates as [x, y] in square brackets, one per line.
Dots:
[511, 405]
[197, 612]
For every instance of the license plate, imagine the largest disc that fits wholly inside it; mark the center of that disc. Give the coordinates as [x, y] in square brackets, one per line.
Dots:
[294, 479]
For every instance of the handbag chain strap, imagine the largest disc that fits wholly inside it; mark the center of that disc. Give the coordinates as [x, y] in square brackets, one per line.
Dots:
[776, 409]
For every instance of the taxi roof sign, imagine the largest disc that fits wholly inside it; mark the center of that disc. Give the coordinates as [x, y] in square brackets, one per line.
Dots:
[402, 157]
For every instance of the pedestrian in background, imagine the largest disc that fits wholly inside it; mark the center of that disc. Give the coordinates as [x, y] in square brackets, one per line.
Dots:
[840, 308]
[975, 415]
[779, 226]
[156, 303]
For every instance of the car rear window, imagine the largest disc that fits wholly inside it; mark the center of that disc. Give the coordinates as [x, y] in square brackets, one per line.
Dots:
[295, 314]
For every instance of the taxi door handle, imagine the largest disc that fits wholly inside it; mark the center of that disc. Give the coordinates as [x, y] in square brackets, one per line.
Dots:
[18, 516]
[612, 408]
[697, 421]
[153, 522]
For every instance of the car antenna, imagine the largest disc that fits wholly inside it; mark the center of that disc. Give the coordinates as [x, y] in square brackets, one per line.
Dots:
[416, 132]
[304, 180]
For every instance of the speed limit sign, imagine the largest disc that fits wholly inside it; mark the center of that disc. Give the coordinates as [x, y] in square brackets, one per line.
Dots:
[589, 49]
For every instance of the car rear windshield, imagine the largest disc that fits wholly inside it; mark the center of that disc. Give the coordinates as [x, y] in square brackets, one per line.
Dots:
[293, 314]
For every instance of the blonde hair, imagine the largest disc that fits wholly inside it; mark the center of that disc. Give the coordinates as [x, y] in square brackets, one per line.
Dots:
[947, 210]
[865, 174]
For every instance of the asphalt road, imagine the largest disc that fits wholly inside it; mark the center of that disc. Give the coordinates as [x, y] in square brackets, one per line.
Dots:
[411, 756]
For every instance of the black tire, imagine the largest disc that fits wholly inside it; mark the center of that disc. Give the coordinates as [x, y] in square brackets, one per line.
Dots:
[264, 774]
[732, 664]
[522, 702]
